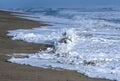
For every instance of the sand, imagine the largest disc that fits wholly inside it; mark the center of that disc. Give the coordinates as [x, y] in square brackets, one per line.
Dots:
[16, 72]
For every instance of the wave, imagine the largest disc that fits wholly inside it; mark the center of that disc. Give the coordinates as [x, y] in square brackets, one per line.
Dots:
[84, 41]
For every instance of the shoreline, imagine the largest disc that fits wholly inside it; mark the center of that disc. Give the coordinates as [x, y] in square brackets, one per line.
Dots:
[16, 72]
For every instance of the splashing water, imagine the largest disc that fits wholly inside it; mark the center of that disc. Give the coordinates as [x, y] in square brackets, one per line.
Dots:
[88, 42]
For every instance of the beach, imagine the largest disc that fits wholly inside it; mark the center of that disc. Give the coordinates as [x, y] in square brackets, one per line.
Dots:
[16, 72]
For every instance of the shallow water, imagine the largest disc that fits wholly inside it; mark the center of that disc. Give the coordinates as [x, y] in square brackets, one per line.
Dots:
[86, 41]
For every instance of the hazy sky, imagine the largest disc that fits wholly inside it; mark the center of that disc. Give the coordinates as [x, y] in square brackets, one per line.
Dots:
[57, 3]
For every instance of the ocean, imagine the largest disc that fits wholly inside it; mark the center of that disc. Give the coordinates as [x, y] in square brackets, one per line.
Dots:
[84, 39]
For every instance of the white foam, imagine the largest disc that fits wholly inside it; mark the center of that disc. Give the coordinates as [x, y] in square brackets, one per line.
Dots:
[88, 42]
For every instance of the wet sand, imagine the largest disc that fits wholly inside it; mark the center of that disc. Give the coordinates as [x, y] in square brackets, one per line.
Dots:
[16, 72]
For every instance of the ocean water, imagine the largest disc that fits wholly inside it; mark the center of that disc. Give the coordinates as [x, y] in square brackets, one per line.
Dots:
[85, 40]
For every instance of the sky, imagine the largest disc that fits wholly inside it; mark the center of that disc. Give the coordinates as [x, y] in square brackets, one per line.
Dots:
[57, 3]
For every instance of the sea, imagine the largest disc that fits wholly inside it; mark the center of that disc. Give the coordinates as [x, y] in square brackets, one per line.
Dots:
[86, 40]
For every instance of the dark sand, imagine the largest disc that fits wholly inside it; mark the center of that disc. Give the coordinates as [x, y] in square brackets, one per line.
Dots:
[16, 72]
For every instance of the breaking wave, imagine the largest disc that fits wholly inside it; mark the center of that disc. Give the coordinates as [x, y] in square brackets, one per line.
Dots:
[88, 42]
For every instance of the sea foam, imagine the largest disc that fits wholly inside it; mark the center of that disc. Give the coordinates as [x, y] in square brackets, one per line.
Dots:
[88, 42]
